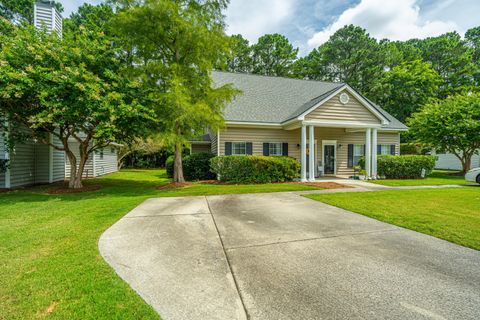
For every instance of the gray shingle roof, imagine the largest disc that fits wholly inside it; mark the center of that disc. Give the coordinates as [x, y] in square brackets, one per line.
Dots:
[277, 99]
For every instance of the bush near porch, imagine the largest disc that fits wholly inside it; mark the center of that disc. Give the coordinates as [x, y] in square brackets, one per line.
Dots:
[405, 167]
[255, 169]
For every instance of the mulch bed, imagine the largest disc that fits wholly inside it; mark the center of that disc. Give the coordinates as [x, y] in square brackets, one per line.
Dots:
[3, 190]
[174, 185]
[65, 189]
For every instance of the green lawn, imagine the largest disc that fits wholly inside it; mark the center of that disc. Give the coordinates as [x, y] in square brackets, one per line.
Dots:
[438, 177]
[50, 264]
[452, 214]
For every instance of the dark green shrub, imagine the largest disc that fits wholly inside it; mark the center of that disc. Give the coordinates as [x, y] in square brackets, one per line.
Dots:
[195, 167]
[4, 165]
[405, 167]
[412, 148]
[255, 169]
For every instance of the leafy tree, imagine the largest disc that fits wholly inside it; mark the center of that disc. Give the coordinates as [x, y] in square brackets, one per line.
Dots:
[21, 10]
[452, 59]
[397, 52]
[73, 89]
[350, 56]
[176, 44]
[407, 87]
[91, 17]
[451, 125]
[240, 57]
[273, 55]
[148, 145]
[472, 37]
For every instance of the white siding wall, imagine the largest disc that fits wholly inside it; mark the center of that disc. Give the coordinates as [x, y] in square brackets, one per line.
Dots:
[88, 169]
[450, 161]
[42, 163]
[108, 163]
[58, 162]
[22, 164]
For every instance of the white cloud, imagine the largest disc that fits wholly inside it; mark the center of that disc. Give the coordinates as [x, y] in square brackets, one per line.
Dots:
[392, 19]
[254, 18]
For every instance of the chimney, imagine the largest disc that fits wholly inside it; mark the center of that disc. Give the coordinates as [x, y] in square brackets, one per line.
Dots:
[46, 16]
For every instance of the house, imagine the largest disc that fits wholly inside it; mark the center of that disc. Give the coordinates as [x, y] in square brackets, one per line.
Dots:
[326, 126]
[32, 162]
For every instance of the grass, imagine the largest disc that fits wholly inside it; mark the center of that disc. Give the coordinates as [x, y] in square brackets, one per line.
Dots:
[452, 214]
[49, 260]
[438, 177]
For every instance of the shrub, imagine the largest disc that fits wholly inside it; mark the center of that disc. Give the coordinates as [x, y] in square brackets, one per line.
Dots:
[195, 166]
[255, 169]
[412, 148]
[405, 167]
[4, 165]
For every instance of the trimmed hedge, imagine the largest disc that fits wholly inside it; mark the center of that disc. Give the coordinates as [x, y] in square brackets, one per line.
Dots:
[405, 167]
[195, 166]
[255, 169]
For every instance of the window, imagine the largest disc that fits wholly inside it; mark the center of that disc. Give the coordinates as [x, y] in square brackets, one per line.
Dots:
[384, 149]
[358, 152]
[275, 149]
[239, 148]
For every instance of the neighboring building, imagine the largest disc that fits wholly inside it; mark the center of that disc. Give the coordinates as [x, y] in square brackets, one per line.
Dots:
[451, 162]
[281, 116]
[31, 162]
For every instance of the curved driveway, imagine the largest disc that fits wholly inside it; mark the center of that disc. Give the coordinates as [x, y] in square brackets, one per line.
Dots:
[283, 256]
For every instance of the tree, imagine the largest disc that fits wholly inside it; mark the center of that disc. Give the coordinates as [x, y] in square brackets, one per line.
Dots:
[350, 56]
[149, 145]
[72, 88]
[451, 125]
[176, 44]
[91, 17]
[472, 37]
[407, 87]
[452, 59]
[273, 55]
[240, 57]
[21, 10]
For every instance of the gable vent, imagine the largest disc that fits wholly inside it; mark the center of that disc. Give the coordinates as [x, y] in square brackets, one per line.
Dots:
[46, 16]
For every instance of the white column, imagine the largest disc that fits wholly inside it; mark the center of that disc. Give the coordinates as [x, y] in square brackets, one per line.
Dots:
[368, 153]
[7, 157]
[311, 158]
[374, 153]
[303, 154]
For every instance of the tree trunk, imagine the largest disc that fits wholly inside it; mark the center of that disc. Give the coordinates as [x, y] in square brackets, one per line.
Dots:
[467, 163]
[73, 168]
[177, 164]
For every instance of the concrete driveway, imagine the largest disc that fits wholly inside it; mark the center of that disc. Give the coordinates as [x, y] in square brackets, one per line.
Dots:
[283, 256]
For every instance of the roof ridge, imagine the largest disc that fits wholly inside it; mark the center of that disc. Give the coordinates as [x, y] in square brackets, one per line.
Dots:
[278, 77]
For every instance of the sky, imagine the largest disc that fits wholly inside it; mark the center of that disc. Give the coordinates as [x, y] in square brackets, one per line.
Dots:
[309, 23]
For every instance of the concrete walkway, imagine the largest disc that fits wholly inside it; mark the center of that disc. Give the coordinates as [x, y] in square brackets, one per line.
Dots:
[283, 256]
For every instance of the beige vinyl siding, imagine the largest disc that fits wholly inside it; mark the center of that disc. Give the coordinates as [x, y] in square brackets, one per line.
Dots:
[199, 148]
[342, 137]
[109, 162]
[259, 136]
[389, 138]
[334, 110]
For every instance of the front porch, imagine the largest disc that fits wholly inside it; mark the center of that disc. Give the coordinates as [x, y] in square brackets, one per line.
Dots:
[336, 152]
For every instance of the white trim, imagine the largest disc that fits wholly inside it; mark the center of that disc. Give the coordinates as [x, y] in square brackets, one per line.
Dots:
[374, 153]
[340, 124]
[303, 154]
[368, 152]
[35, 15]
[54, 19]
[311, 158]
[334, 144]
[394, 130]
[7, 157]
[244, 154]
[364, 102]
[50, 159]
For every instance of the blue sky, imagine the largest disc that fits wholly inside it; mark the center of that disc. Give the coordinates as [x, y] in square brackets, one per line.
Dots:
[308, 23]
